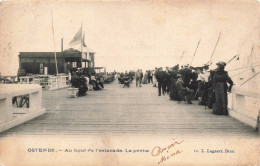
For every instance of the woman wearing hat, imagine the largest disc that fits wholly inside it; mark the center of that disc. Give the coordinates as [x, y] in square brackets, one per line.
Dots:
[220, 89]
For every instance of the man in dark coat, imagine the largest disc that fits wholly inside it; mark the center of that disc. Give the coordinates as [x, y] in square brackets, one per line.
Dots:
[184, 93]
[164, 82]
[186, 75]
[159, 78]
[137, 78]
[220, 80]
[78, 81]
[141, 77]
[168, 79]
[173, 89]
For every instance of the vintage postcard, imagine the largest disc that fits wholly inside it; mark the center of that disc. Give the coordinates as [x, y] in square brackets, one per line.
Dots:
[167, 82]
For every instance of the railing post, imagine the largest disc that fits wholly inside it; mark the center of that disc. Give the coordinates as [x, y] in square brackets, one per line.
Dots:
[11, 116]
[5, 105]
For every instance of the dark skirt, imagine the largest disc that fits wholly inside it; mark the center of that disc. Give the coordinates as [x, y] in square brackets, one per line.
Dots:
[200, 88]
[174, 91]
[220, 105]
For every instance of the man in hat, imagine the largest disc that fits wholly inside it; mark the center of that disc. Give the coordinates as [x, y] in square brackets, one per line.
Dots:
[168, 78]
[220, 88]
[186, 75]
[79, 81]
[173, 89]
[175, 68]
[182, 90]
[160, 79]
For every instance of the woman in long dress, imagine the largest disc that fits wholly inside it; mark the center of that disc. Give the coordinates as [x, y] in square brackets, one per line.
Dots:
[220, 88]
[145, 80]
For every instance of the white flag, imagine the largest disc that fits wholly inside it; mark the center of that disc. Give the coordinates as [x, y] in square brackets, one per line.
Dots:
[77, 38]
[83, 41]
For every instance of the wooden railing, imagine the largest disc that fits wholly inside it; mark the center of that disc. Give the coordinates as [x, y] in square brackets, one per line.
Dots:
[26, 79]
[244, 106]
[58, 82]
[12, 113]
[48, 82]
[8, 79]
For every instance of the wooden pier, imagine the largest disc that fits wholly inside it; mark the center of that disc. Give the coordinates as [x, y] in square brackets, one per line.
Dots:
[118, 110]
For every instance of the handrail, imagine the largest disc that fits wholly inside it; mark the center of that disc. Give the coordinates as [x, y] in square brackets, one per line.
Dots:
[245, 92]
[11, 116]
[238, 100]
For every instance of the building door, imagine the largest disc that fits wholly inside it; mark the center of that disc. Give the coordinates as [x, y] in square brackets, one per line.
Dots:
[41, 68]
[45, 70]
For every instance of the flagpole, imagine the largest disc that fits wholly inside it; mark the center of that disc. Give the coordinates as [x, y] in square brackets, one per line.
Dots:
[87, 52]
[81, 42]
[54, 47]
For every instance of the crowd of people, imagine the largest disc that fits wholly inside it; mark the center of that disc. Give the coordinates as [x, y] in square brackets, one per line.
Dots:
[189, 83]
[144, 78]
[85, 82]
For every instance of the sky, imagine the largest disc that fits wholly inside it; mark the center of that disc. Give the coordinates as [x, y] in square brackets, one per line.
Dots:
[130, 35]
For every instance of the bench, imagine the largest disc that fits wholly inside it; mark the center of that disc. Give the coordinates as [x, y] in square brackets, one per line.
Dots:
[73, 92]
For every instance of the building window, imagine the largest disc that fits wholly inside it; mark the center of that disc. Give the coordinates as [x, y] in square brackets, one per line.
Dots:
[74, 64]
[84, 64]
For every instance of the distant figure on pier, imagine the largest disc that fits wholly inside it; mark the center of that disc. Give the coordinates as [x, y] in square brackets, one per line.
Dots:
[154, 77]
[173, 89]
[220, 88]
[97, 82]
[160, 77]
[79, 81]
[137, 78]
[145, 80]
[150, 76]
[127, 82]
[141, 77]
[168, 79]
